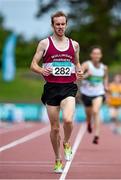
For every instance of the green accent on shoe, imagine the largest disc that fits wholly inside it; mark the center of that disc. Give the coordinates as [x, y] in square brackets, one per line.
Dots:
[58, 167]
[67, 151]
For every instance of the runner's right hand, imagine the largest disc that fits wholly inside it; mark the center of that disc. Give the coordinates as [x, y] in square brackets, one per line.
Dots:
[89, 73]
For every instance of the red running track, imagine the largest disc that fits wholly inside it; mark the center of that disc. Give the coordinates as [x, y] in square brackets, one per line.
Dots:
[32, 157]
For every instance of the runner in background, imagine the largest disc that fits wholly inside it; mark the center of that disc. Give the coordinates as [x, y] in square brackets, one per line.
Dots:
[93, 88]
[114, 102]
[60, 68]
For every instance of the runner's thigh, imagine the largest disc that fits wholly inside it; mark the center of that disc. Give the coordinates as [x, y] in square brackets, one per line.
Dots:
[68, 108]
[96, 103]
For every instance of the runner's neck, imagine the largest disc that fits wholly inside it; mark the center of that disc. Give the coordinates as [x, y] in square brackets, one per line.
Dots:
[61, 45]
[96, 64]
[58, 38]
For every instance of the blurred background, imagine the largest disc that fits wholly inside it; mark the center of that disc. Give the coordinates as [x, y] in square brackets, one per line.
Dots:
[23, 23]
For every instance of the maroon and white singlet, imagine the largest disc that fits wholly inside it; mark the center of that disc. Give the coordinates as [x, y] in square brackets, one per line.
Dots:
[61, 62]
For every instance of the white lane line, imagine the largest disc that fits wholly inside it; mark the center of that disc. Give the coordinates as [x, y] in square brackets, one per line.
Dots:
[75, 164]
[78, 139]
[27, 165]
[16, 128]
[26, 162]
[51, 165]
[26, 138]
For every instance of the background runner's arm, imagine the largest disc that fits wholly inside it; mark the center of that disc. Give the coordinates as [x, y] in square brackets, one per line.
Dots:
[106, 79]
[85, 70]
[36, 59]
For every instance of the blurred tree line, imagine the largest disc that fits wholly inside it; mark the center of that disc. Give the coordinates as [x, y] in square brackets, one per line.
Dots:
[92, 22]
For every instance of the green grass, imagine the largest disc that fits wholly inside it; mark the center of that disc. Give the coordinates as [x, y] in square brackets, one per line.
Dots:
[28, 87]
[25, 88]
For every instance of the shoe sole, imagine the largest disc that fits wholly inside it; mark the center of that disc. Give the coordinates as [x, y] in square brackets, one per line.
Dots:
[68, 158]
[58, 172]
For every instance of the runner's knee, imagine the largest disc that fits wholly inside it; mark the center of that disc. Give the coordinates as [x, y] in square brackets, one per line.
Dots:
[55, 129]
[95, 111]
[67, 121]
[89, 115]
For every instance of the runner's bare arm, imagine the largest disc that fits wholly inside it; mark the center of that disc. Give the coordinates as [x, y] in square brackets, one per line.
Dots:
[84, 66]
[85, 70]
[38, 57]
[77, 50]
[77, 63]
[106, 79]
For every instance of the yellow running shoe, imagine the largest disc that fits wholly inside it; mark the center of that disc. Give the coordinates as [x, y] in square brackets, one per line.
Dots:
[58, 167]
[67, 151]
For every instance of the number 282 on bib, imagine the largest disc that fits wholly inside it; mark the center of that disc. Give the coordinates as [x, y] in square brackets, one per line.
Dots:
[62, 68]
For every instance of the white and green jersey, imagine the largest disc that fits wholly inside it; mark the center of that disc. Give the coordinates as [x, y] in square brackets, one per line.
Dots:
[94, 85]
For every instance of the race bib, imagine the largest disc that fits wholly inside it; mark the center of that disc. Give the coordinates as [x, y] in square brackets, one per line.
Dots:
[62, 68]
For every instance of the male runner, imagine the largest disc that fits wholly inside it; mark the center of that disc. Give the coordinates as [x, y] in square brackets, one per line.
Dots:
[93, 89]
[60, 69]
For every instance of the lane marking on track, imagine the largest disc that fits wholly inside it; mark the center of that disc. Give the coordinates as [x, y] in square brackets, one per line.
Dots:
[78, 139]
[51, 162]
[26, 162]
[26, 138]
[27, 165]
[51, 165]
[15, 128]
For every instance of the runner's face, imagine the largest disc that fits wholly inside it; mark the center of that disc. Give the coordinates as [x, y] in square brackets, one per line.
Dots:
[96, 55]
[59, 25]
[117, 79]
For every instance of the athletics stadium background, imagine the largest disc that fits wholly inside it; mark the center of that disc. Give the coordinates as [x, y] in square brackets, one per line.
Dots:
[21, 89]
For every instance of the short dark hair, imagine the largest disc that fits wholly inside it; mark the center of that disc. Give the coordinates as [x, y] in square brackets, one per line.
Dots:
[96, 47]
[58, 14]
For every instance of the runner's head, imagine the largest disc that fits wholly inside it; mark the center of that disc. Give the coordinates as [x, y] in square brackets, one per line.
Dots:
[59, 23]
[96, 54]
[117, 78]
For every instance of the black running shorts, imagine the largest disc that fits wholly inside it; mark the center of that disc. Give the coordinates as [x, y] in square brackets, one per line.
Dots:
[54, 93]
[87, 100]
